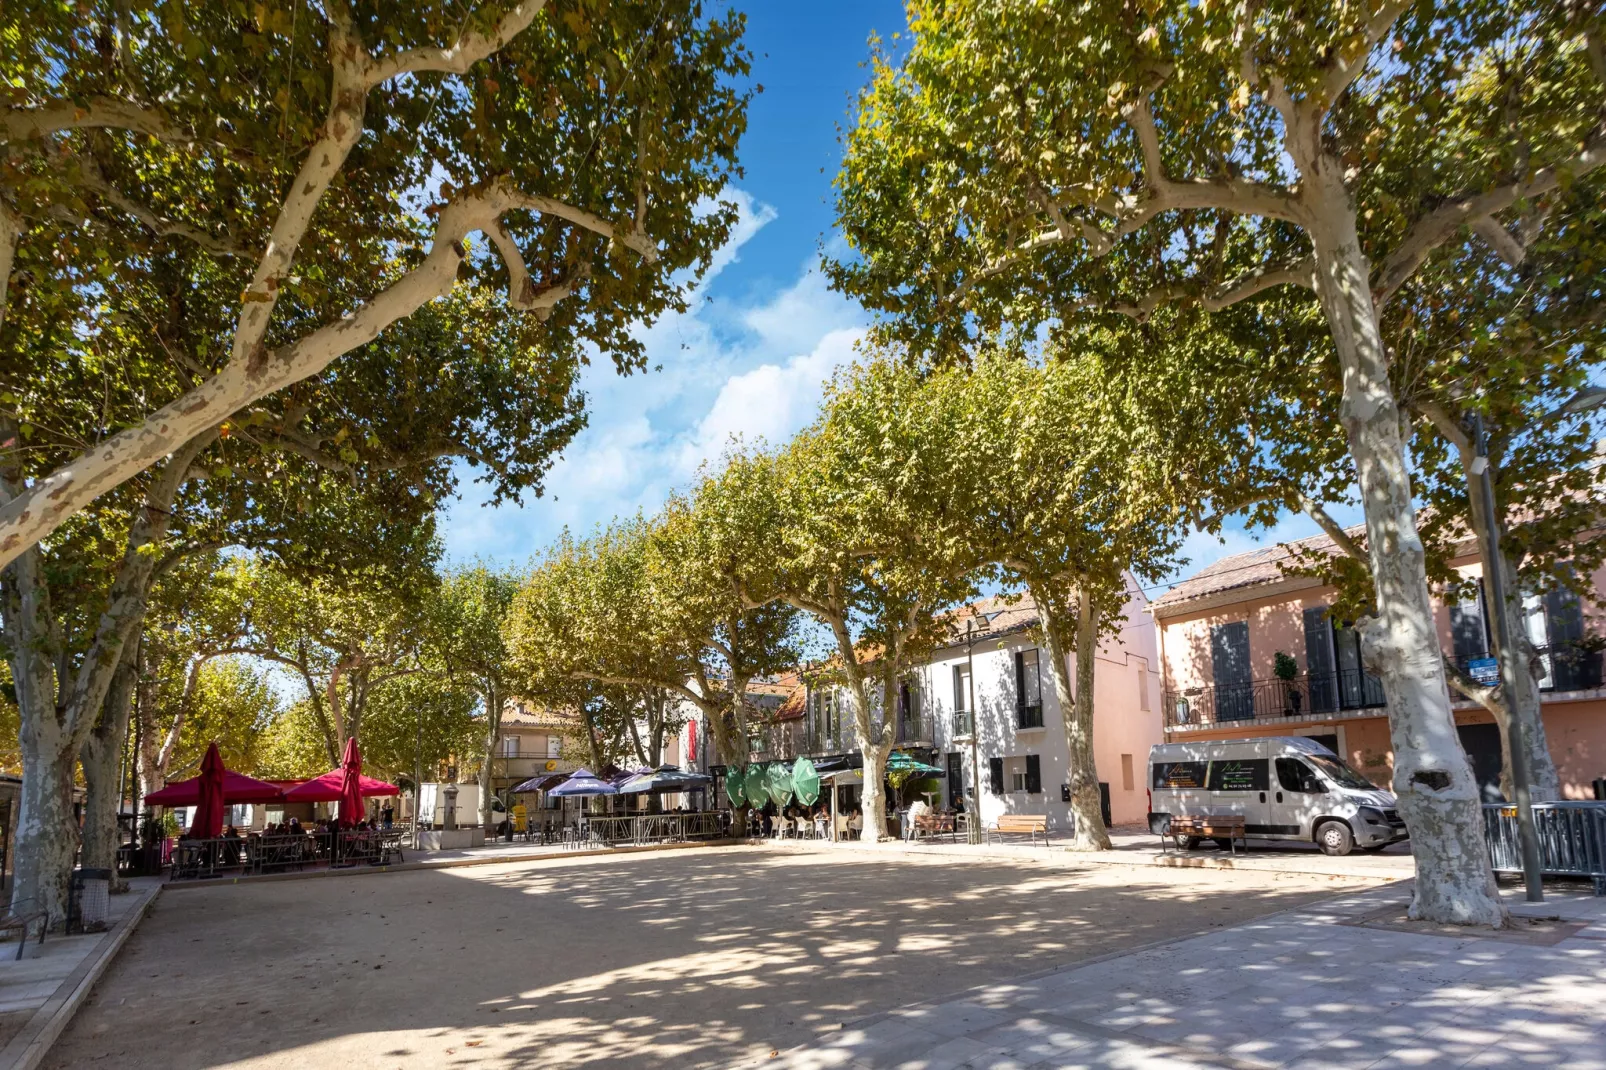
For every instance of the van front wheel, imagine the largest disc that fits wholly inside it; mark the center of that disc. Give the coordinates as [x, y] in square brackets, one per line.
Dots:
[1335, 838]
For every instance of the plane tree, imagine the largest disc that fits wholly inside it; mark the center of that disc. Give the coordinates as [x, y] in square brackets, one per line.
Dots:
[833, 526]
[334, 163]
[335, 474]
[1026, 163]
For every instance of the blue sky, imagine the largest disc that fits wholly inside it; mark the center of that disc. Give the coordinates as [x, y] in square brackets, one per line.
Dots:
[765, 333]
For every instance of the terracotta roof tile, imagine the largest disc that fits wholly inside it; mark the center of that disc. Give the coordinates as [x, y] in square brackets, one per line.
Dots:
[1254, 568]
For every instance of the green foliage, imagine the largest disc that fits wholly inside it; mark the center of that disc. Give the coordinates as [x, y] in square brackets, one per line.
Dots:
[425, 702]
[1284, 667]
[996, 175]
[235, 706]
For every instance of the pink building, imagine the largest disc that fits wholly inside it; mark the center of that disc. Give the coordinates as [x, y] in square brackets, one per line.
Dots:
[1222, 630]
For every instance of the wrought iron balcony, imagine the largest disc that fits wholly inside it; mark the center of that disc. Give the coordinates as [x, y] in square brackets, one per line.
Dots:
[961, 723]
[1306, 694]
[1029, 716]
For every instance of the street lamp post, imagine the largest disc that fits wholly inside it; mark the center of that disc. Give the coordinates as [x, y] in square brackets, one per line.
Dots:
[972, 637]
[1520, 773]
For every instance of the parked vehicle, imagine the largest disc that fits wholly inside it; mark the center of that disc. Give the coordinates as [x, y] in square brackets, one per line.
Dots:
[1283, 787]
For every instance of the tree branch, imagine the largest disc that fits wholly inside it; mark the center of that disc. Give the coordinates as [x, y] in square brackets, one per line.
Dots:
[1317, 512]
[1438, 226]
[1302, 273]
[1349, 59]
[23, 124]
[457, 58]
[94, 180]
[34, 513]
[1485, 696]
[1447, 426]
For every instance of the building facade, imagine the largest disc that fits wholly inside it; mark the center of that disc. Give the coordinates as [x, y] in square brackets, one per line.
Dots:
[984, 712]
[1248, 651]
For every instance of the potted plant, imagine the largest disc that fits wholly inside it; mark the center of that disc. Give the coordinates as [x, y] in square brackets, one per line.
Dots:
[1286, 669]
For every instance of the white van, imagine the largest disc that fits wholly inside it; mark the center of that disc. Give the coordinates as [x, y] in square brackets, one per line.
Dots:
[1284, 787]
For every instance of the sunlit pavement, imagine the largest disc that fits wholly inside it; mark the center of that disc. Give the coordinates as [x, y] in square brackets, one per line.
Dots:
[1346, 984]
[693, 958]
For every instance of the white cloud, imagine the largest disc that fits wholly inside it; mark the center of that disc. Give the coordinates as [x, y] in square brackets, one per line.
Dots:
[772, 402]
[749, 368]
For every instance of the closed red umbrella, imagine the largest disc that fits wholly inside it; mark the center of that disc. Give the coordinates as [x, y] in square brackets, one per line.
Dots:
[351, 808]
[208, 821]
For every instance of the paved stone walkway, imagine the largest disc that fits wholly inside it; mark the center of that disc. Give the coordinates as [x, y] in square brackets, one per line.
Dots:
[40, 991]
[1347, 984]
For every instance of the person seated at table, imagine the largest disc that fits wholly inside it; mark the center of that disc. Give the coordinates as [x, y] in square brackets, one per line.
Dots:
[856, 822]
[295, 826]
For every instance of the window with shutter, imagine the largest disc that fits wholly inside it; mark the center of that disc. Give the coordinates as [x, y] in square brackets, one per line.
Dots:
[1034, 774]
[1028, 691]
[995, 775]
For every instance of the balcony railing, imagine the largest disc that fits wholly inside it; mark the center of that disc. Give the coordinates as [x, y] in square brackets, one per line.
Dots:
[1306, 694]
[1570, 666]
[961, 723]
[1029, 716]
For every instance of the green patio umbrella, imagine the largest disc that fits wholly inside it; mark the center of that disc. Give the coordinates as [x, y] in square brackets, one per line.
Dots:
[753, 784]
[899, 762]
[805, 781]
[778, 782]
[733, 784]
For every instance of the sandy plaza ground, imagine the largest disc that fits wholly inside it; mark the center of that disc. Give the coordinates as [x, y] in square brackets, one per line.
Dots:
[691, 958]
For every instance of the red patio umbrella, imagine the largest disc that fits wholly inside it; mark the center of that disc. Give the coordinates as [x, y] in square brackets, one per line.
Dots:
[351, 808]
[237, 788]
[326, 788]
[208, 821]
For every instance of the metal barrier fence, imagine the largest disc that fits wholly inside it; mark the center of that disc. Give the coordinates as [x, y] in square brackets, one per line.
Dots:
[637, 829]
[1572, 839]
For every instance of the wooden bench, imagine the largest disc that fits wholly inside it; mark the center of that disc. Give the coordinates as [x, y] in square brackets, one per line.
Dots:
[19, 921]
[1186, 832]
[929, 825]
[1033, 825]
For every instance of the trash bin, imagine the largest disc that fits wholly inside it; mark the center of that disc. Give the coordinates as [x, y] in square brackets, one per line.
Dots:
[89, 900]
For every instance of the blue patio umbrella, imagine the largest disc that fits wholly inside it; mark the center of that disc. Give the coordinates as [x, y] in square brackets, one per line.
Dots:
[583, 782]
[664, 778]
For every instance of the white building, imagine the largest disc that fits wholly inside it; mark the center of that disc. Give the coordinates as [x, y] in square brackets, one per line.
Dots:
[1020, 744]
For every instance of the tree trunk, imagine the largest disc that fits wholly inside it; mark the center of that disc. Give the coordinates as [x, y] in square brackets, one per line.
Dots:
[1438, 796]
[1520, 698]
[493, 736]
[100, 757]
[1076, 710]
[873, 746]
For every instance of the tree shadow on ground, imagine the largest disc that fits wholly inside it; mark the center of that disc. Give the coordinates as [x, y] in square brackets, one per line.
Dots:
[691, 958]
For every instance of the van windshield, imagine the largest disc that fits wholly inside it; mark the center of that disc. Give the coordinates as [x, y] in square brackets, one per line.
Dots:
[1339, 773]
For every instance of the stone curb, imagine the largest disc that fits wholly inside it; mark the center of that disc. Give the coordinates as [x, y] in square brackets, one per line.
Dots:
[33, 1042]
[446, 863]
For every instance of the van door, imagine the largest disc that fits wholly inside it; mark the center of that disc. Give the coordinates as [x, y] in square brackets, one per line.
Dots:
[1238, 787]
[1296, 799]
[1178, 788]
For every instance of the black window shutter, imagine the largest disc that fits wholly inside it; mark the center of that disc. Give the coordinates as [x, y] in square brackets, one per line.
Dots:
[1034, 774]
[1020, 679]
[995, 775]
